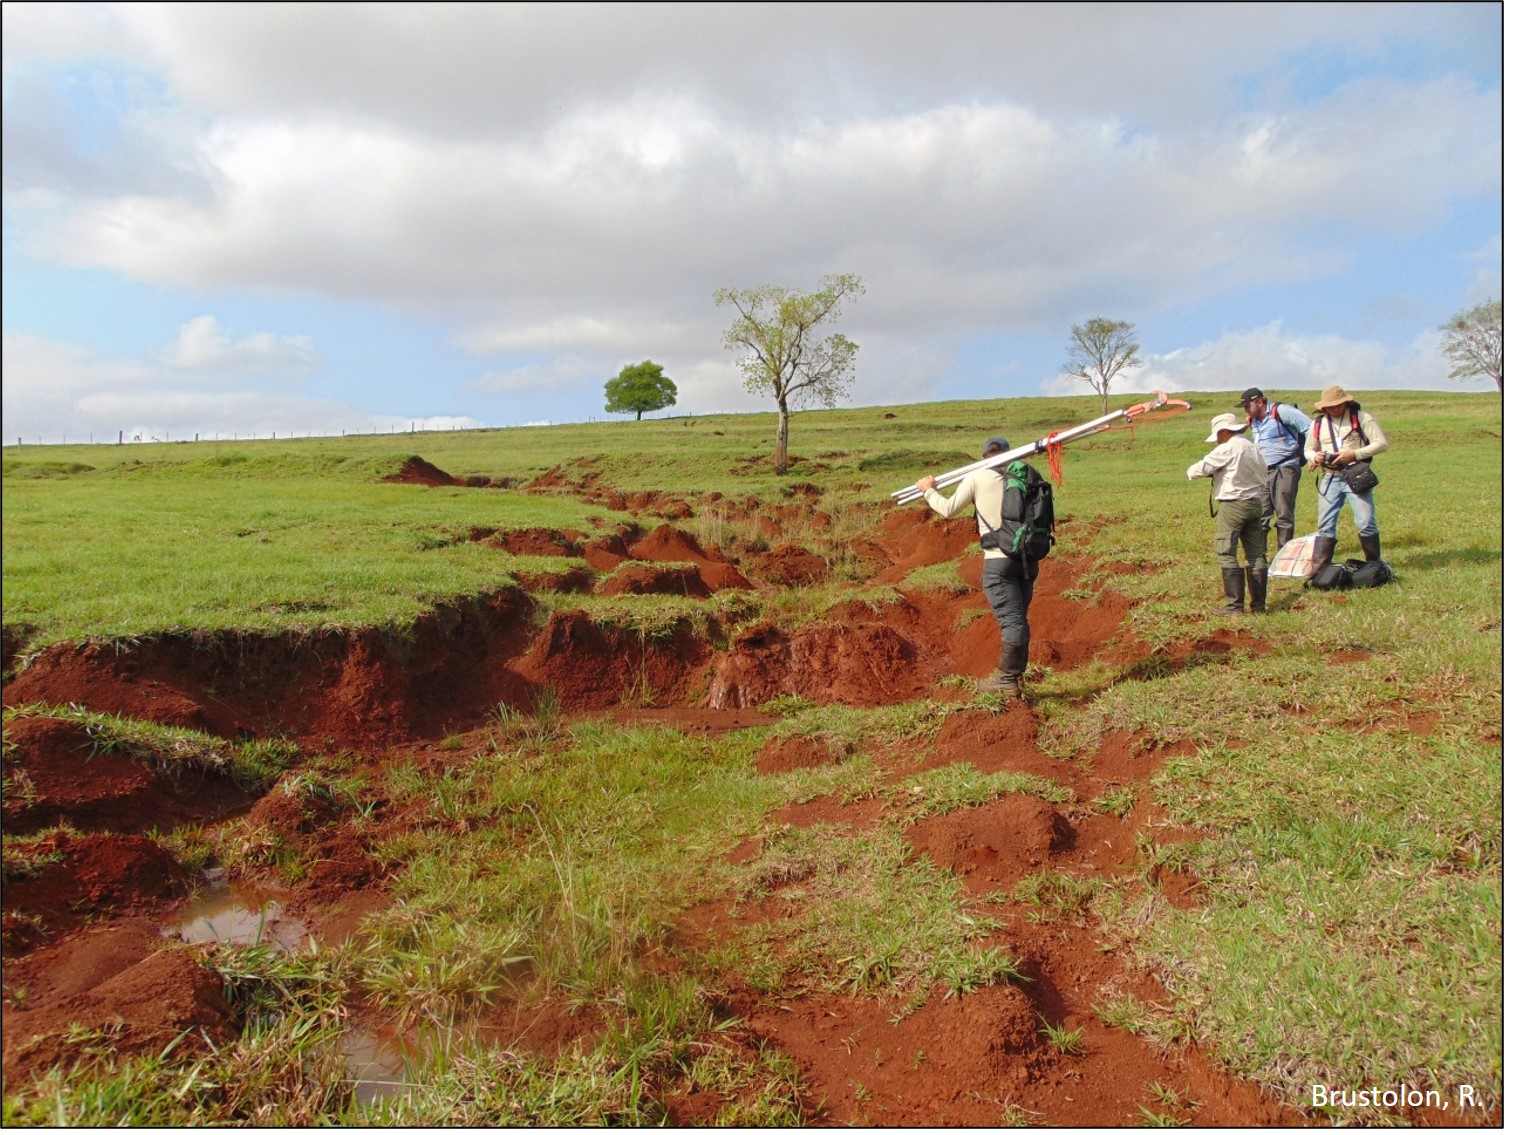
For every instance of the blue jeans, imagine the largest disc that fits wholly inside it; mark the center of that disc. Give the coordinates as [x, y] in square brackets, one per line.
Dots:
[1330, 493]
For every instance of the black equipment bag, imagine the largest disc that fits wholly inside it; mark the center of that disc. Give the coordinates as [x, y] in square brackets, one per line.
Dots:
[1375, 573]
[1333, 577]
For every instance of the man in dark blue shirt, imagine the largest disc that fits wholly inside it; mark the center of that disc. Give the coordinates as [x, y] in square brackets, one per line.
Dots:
[1279, 431]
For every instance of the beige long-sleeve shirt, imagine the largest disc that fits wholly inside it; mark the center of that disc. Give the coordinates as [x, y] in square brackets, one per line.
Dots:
[1332, 435]
[1238, 469]
[984, 488]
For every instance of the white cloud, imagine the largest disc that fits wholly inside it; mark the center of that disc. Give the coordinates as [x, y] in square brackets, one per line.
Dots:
[1272, 359]
[205, 347]
[558, 375]
[203, 384]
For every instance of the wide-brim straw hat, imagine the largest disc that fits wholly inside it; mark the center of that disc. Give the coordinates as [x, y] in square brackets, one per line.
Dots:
[1332, 397]
[1224, 422]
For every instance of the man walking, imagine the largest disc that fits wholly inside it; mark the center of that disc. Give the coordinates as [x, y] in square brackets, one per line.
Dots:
[1279, 431]
[1009, 583]
[1240, 483]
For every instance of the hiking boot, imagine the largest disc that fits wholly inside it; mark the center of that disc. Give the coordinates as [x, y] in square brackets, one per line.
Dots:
[1257, 585]
[1234, 581]
[1370, 545]
[1001, 683]
[1009, 676]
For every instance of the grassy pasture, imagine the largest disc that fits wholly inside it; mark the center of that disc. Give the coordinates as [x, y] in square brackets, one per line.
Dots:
[1345, 782]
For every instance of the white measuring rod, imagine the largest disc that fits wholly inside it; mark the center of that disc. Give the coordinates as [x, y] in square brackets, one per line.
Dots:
[1087, 429]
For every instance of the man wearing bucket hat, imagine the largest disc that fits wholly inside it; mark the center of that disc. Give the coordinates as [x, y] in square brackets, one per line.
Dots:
[1343, 433]
[1239, 483]
[1008, 583]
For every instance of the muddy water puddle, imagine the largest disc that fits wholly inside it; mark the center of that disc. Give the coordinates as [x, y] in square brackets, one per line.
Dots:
[383, 1061]
[239, 915]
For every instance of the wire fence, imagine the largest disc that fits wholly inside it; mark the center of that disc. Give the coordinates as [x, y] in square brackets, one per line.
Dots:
[164, 437]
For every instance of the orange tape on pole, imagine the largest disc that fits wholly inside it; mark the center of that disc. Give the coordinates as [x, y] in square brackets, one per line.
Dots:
[1053, 451]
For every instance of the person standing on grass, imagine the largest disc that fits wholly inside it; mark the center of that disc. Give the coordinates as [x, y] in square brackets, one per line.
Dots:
[1343, 432]
[1279, 431]
[1008, 583]
[1239, 484]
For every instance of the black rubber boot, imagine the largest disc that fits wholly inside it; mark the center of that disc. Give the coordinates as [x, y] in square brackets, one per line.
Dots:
[1370, 545]
[1257, 585]
[1235, 582]
[1011, 665]
[1326, 547]
[1283, 535]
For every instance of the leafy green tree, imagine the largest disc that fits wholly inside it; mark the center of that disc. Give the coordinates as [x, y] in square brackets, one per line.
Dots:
[783, 354]
[1472, 343]
[1100, 351]
[640, 388]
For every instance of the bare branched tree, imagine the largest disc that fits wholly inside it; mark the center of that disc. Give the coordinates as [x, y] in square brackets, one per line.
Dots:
[1100, 350]
[1472, 343]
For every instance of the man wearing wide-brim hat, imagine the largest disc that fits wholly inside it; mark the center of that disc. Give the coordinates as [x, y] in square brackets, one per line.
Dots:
[1239, 482]
[1342, 433]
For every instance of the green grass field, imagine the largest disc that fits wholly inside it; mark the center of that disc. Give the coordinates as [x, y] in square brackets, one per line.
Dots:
[1346, 781]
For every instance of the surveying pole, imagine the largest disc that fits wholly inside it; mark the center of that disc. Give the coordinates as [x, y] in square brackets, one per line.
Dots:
[1076, 433]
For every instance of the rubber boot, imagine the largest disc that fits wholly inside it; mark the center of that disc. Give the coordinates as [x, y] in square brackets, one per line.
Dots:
[1257, 588]
[1326, 546]
[1283, 535]
[1011, 665]
[1235, 582]
[1370, 545]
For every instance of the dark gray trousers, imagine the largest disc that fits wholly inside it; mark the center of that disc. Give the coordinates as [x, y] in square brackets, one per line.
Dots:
[1279, 503]
[1009, 587]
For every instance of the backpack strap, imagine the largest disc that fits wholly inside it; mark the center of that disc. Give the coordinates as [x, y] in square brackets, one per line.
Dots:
[1273, 408]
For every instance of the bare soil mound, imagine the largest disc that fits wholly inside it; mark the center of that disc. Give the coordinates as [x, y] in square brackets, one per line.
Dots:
[650, 579]
[870, 1069]
[72, 879]
[62, 778]
[913, 539]
[789, 753]
[789, 565]
[122, 980]
[418, 471]
[991, 845]
[667, 544]
[604, 553]
[537, 542]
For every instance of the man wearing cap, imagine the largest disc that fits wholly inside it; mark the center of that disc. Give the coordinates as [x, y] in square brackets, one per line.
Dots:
[1239, 483]
[1279, 431]
[1343, 432]
[1009, 583]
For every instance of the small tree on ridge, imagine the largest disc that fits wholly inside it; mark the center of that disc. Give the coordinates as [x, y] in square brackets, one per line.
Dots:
[640, 388]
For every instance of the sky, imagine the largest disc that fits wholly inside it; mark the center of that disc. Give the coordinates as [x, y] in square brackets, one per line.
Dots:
[227, 219]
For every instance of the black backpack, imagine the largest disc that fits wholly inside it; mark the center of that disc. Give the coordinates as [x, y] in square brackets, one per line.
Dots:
[1028, 515]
